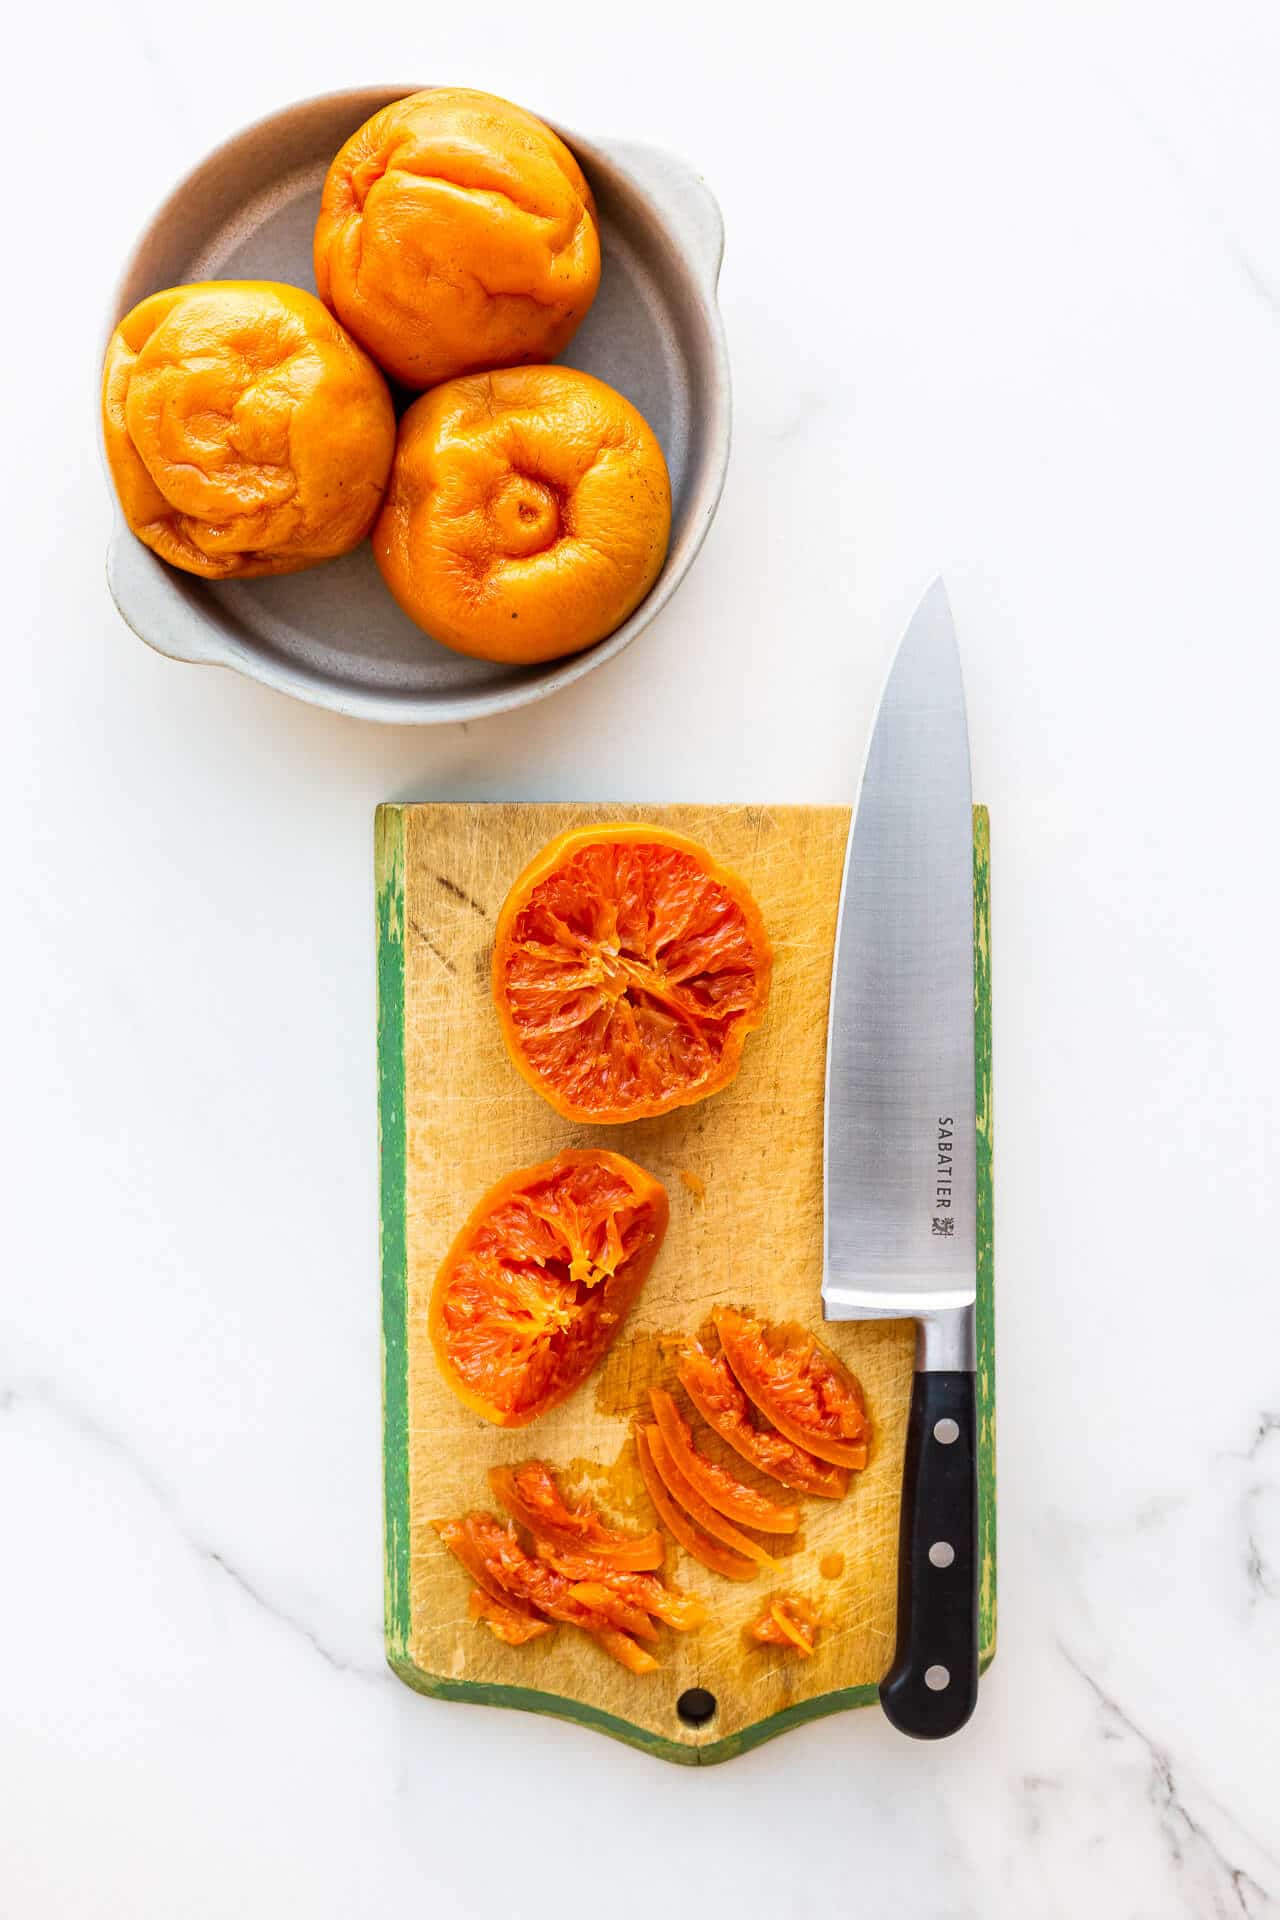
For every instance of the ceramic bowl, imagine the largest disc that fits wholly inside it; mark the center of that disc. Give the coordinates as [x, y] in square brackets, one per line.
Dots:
[333, 635]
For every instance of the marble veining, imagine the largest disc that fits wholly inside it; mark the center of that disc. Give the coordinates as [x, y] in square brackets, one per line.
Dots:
[1195, 1854]
[43, 1396]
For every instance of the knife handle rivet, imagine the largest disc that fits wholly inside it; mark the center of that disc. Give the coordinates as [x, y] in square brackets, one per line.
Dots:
[941, 1553]
[945, 1432]
[936, 1678]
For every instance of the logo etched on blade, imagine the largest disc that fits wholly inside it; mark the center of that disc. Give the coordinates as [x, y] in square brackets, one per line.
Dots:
[946, 1161]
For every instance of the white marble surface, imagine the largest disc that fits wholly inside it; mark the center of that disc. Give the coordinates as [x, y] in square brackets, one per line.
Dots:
[1003, 295]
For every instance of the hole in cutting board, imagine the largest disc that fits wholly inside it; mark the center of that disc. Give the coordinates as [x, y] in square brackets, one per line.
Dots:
[696, 1706]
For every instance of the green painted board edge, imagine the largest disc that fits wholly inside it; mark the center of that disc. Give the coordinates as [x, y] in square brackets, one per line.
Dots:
[393, 1243]
[389, 878]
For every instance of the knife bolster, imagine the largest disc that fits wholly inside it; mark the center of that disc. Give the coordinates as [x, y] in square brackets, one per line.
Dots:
[945, 1341]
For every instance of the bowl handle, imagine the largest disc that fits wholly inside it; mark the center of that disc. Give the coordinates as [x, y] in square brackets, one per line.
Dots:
[687, 202]
[152, 603]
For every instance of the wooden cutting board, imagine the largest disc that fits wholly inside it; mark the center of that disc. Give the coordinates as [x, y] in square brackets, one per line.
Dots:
[744, 1174]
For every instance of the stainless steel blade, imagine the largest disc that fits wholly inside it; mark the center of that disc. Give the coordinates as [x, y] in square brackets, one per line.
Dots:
[900, 1227]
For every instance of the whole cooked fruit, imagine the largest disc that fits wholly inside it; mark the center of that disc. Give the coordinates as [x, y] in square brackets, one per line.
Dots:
[628, 969]
[528, 513]
[456, 231]
[245, 432]
[540, 1279]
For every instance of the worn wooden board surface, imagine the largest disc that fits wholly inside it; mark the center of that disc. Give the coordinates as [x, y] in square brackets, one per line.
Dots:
[744, 1174]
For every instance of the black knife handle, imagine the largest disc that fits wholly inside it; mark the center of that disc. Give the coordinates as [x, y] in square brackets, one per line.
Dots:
[932, 1686]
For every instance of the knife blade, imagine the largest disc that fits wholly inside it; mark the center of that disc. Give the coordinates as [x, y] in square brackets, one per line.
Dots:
[900, 1197]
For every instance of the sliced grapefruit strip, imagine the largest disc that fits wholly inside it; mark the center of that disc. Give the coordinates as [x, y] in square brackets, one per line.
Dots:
[512, 1628]
[676, 1609]
[725, 1492]
[798, 1383]
[678, 1523]
[709, 1382]
[520, 1579]
[700, 1511]
[531, 1495]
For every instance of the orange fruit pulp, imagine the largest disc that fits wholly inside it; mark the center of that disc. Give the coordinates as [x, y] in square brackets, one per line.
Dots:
[628, 969]
[532, 1496]
[799, 1384]
[788, 1620]
[539, 1280]
[714, 1391]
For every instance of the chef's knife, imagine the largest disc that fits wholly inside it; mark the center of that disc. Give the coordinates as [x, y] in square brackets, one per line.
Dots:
[900, 1156]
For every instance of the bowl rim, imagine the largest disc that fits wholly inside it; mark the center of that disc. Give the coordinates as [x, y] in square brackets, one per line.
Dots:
[685, 209]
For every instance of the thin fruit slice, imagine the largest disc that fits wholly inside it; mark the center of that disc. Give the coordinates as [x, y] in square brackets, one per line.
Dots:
[681, 1527]
[512, 1628]
[709, 1383]
[597, 1594]
[805, 1389]
[722, 1489]
[788, 1620]
[622, 1648]
[701, 1511]
[457, 1538]
[628, 969]
[550, 1593]
[540, 1279]
[531, 1495]
[598, 1597]
[520, 1579]
[676, 1609]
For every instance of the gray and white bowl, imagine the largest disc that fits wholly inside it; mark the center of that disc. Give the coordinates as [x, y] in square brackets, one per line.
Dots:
[333, 635]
